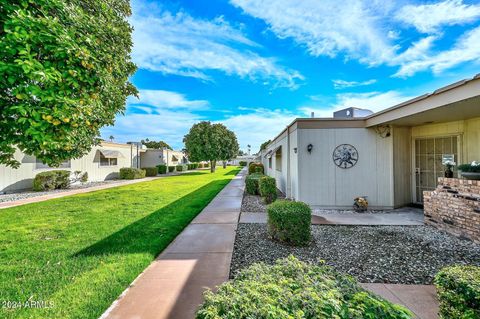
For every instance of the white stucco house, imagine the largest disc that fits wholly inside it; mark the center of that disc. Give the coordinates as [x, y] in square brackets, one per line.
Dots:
[391, 156]
[103, 162]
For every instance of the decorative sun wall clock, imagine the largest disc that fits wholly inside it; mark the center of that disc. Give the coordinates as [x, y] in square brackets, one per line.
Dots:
[345, 156]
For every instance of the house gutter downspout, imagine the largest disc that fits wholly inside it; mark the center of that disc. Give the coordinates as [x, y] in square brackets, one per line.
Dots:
[289, 184]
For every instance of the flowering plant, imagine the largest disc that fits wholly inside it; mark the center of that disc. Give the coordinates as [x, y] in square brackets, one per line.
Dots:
[449, 164]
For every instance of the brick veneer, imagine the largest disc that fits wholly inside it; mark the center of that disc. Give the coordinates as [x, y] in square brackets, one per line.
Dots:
[455, 207]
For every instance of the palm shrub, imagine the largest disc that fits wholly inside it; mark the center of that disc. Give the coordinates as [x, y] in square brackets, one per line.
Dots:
[256, 168]
[162, 169]
[251, 183]
[294, 289]
[458, 290]
[268, 189]
[131, 173]
[49, 180]
[151, 171]
[290, 222]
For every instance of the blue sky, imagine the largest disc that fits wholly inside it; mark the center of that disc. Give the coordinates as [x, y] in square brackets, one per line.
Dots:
[256, 65]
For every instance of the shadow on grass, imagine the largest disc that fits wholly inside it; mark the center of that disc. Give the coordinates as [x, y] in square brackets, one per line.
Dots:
[234, 172]
[154, 232]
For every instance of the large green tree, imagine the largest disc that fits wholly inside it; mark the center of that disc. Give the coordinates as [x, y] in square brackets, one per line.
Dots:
[210, 142]
[64, 69]
[156, 145]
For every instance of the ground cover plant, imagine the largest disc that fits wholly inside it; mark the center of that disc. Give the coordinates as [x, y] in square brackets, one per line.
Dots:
[294, 289]
[458, 290]
[80, 252]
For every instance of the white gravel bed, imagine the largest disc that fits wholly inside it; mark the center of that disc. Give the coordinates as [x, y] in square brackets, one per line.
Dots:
[11, 197]
[255, 204]
[372, 254]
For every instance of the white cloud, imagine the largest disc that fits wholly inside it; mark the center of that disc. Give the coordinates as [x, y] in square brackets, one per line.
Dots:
[327, 27]
[466, 49]
[428, 18]
[374, 101]
[182, 45]
[150, 100]
[258, 126]
[342, 84]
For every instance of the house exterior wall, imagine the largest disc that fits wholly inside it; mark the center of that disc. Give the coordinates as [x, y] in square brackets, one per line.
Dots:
[12, 179]
[151, 158]
[321, 183]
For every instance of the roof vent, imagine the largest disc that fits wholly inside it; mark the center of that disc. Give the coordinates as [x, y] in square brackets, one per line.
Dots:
[352, 112]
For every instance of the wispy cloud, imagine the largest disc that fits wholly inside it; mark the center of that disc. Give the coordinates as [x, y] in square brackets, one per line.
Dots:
[428, 18]
[160, 99]
[342, 84]
[364, 31]
[177, 43]
[327, 27]
[466, 49]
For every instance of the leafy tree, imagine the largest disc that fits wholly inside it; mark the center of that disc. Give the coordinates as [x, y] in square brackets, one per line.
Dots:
[111, 138]
[264, 145]
[64, 68]
[210, 142]
[156, 145]
[241, 153]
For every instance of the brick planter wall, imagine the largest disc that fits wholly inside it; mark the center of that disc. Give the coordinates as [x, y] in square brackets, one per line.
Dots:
[454, 206]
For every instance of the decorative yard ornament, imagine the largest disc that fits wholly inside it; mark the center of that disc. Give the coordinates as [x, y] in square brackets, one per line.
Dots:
[345, 156]
[360, 204]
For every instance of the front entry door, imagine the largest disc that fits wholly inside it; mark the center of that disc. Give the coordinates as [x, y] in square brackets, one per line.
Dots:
[428, 161]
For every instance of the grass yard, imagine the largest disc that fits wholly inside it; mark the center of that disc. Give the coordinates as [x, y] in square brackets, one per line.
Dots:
[78, 253]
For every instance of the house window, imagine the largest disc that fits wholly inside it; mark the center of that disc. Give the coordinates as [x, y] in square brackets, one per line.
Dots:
[278, 160]
[40, 165]
[104, 161]
[270, 162]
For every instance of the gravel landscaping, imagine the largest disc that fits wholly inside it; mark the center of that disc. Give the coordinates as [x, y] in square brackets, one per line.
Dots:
[372, 254]
[11, 197]
[255, 204]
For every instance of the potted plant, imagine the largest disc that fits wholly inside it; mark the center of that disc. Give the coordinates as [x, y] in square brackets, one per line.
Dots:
[360, 204]
[470, 171]
[448, 168]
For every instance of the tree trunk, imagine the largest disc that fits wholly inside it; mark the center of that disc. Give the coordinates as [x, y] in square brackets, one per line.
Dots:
[212, 166]
[224, 164]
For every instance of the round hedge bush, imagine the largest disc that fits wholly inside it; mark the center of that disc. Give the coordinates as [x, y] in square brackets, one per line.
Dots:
[256, 168]
[267, 187]
[251, 183]
[294, 289]
[290, 222]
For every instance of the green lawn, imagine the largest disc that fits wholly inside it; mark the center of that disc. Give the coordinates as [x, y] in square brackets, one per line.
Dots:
[80, 252]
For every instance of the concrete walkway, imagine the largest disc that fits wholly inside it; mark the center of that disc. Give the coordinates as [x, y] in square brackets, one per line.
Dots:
[400, 217]
[199, 258]
[42, 198]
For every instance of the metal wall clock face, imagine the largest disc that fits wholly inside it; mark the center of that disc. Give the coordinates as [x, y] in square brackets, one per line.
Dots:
[345, 156]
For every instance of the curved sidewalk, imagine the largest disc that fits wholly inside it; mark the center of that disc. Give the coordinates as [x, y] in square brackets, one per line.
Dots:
[199, 258]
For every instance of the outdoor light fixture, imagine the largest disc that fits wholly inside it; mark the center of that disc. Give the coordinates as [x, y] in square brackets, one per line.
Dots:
[295, 150]
[310, 148]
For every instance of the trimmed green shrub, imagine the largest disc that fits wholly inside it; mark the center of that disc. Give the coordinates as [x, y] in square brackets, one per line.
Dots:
[200, 165]
[267, 187]
[151, 171]
[195, 165]
[207, 164]
[242, 163]
[189, 167]
[474, 167]
[162, 169]
[181, 168]
[251, 183]
[294, 289]
[256, 168]
[458, 290]
[50, 180]
[171, 169]
[131, 173]
[290, 222]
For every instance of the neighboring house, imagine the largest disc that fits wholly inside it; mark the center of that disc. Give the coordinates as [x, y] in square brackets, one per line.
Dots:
[153, 157]
[391, 156]
[243, 158]
[101, 163]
